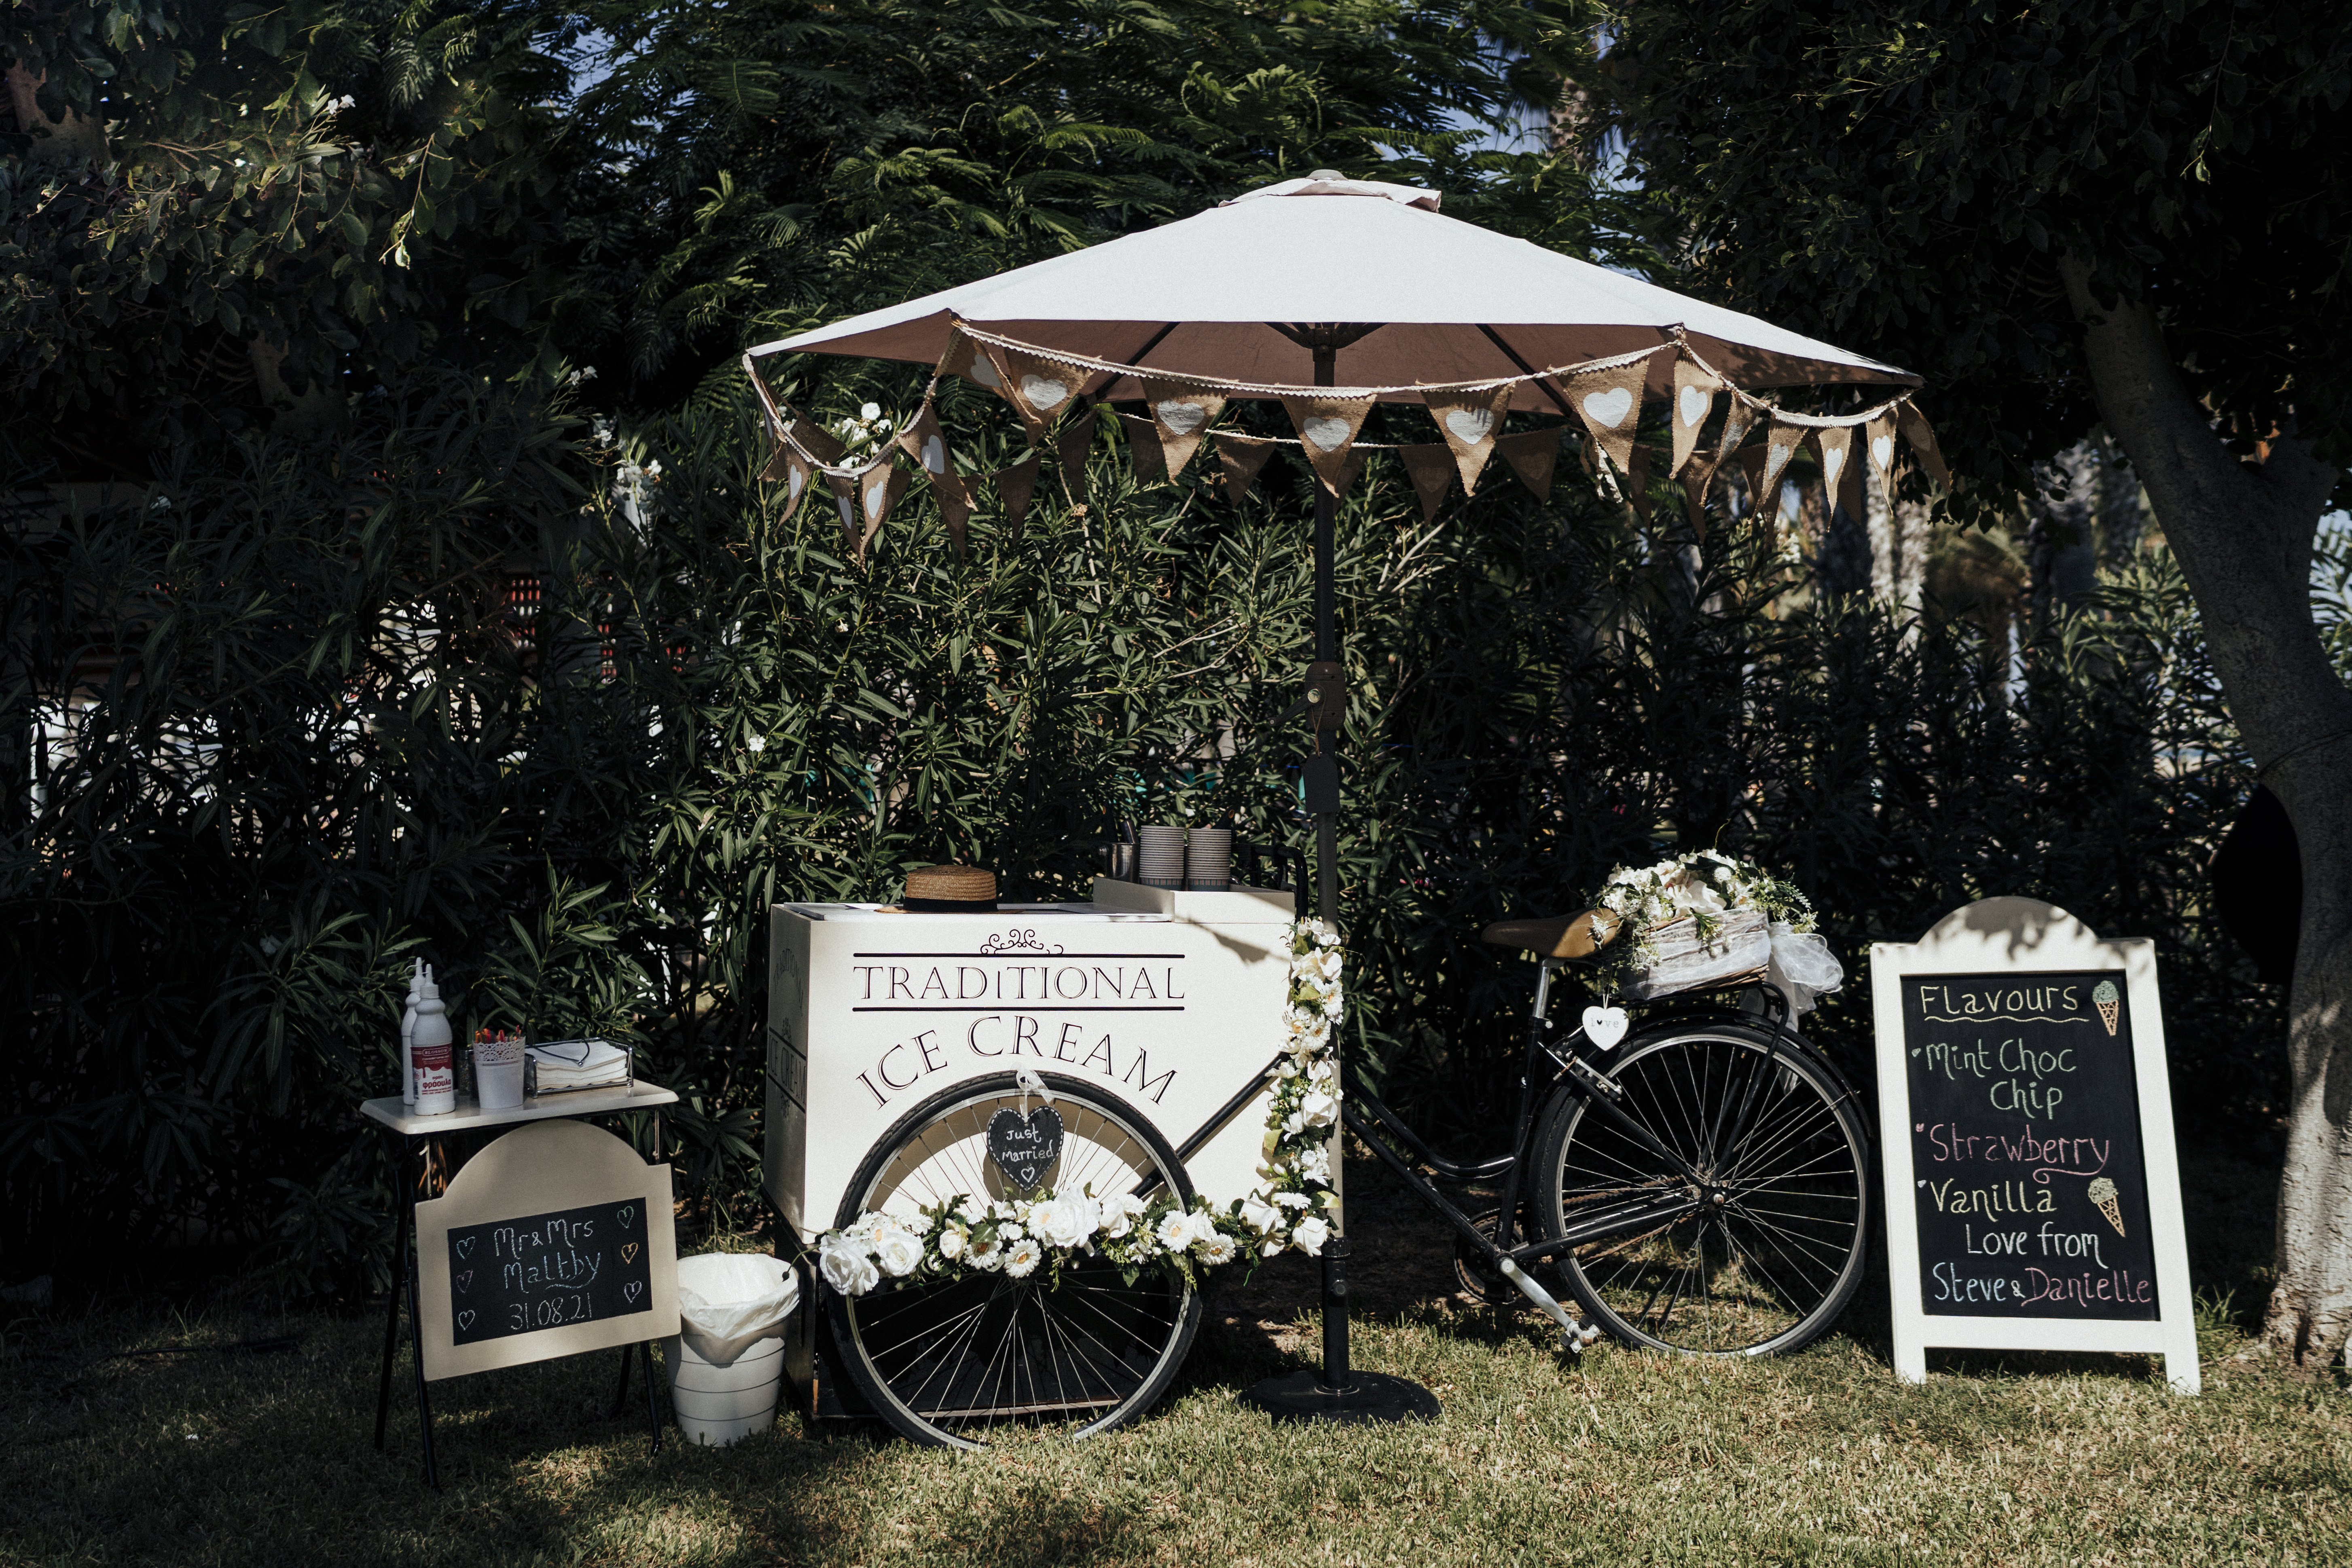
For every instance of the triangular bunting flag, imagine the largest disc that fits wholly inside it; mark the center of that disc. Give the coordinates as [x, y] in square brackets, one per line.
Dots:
[1695, 481]
[818, 441]
[1014, 487]
[792, 469]
[1327, 428]
[1469, 421]
[1144, 448]
[879, 490]
[1532, 454]
[1350, 471]
[969, 360]
[1834, 447]
[1038, 388]
[1073, 444]
[1180, 415]
[1637, 483]
[1242, 458]
[924, 441]
[845, 497]
[1751, 464]
[955, 511]
[1610, 404]
[1922, 437]
[1694, 391]
[1431, 468]
[1878, 436]
[1780, 444]
[1739, 419]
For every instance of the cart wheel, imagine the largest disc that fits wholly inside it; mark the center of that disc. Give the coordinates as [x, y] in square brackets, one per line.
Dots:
[948, 1361]
[1776, 1249]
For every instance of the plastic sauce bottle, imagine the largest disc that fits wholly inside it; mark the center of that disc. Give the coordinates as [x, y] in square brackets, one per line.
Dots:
[408, 1031]
[435, 1057]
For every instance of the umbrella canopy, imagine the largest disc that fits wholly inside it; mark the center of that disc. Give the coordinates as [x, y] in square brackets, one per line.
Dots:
[1452, 303]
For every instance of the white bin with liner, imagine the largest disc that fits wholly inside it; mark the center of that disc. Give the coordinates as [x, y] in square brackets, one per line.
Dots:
[727, 1361]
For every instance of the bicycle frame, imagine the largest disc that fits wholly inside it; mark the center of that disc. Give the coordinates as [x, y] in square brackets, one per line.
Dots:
[1378, 1127]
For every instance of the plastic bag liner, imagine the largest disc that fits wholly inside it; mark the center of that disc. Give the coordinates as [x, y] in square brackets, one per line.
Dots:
[728, 1302]
[1804, 966]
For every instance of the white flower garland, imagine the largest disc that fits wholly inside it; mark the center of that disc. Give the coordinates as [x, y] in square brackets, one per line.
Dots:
[1290, 1207]
[1702, 885]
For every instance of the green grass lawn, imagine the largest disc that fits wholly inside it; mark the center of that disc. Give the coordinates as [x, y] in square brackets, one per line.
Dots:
[1623, 1457]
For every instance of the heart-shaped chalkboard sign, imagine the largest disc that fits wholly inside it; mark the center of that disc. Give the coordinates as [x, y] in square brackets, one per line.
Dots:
[1025, 1147]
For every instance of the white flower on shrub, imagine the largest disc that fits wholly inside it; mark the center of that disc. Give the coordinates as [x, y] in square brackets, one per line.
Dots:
[900, 1253]
[1022, 1260]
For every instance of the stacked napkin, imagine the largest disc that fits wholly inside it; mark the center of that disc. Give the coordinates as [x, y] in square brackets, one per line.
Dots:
[561, 1066]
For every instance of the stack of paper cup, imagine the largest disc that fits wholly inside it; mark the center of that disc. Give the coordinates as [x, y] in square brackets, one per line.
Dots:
[1209, 860]
[1160, 855]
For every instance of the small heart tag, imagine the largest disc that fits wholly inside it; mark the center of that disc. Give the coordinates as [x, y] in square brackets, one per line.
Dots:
[1179, 417]
[1695, 402]
[1881, 450]
[1044, 395]
[1609, 407]
[1469, 425]
[464, 1319]
[1025, 1147]
[629, 1252]
[627, 1214]
[935, 456]
[1604, 1026]
[464, 1248]
[630, 1291]
[1326, 432]
[466, 1280]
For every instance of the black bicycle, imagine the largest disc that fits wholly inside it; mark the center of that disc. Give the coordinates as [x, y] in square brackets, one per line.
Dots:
[1701, 1186]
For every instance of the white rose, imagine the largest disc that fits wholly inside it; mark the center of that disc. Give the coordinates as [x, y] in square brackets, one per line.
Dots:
[900, 1253]
[952, 1240]
[1066, 1221]
[1323, 1075]
[846, 1268]
[1320, 1110]
[1174, 1230]
[1259, 1214]
[1022, 1260]
[1216, 1247]
[1309, 1234]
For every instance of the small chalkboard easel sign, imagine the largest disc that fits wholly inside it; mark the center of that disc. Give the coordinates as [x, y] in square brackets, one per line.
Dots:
[2033, 1196]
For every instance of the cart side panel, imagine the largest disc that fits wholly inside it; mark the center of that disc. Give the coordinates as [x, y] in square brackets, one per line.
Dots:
[788, 1067]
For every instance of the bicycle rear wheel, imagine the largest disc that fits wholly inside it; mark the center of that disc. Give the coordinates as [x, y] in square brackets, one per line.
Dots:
[950, 1362]
[1773, 1246]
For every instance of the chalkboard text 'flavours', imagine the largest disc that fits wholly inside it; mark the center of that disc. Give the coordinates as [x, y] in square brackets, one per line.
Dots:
[1962, 1004]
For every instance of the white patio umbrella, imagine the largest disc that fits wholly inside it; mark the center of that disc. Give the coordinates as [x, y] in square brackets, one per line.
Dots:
[1328, 283]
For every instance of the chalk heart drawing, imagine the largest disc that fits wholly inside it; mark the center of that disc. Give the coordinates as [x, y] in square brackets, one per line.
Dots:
[1044, 395]
[629, 1253]
[466, 1280]
[1919, 1127]
[1179, 417]
[1469, 426]
[1882, 449]
[935, 456]
[466, 1320]
[983, 371]
[1610, 407]
[626, 1214]
[1694, 401]
[1605, 1026]
[629, 1292]
[1326, 432]
[466, 1247]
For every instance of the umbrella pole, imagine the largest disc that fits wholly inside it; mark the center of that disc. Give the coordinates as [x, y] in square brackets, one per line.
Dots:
[1339, 1393]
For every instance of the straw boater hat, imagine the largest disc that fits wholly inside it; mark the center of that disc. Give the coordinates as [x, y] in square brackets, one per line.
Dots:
[950, 889]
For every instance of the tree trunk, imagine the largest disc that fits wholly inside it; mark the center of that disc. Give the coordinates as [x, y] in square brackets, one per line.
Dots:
[2243, 532]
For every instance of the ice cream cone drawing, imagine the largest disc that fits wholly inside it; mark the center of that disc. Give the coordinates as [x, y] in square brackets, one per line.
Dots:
[2105, 997]
[2102, 1191]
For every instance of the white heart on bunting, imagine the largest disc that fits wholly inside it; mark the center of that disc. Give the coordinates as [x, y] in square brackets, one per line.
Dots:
[1604, 1026]
[935, 456]
[1044, 395]
[1327, 433]
[1609, 407]
[877, 497]
[1881, 451]
[1469, 424]
[983, 371]
[1696, 401]
[794, 477]
[1832, 464]
[1180, 417]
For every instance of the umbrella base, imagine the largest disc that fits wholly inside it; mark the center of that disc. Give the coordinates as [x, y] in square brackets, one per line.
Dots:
[1370, 1397]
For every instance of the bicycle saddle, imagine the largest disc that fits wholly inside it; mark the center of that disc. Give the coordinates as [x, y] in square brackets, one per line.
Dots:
[1579, 935]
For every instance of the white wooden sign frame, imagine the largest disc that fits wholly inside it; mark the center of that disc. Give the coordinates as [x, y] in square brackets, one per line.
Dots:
[544, 1167]
[2023, 936]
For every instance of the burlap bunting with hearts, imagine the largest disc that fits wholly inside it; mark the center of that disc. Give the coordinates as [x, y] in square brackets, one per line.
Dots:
[1878, 442]
[1180, 415]
[1922, 437]
[789, 468]
[1469, 421]
[969, 359]
[1014, 487]
[1637, 482]
[1533, 455]
[1841, 470]
[1737, 421]
[1780, 444]
[1610, 404]
[845, 498]
[1038, 388]
[1694, 391]
[1073, 444]
[879, 490]
[1326, 429]
[1242, 458]
[1432, 469]
[1143, 449]
[924, 441]
[1694, 483]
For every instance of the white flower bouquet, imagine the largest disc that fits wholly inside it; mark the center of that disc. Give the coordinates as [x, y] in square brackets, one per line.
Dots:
[1695, 920]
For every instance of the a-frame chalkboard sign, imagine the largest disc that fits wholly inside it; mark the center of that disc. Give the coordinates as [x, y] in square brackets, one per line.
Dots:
[2033, 1196]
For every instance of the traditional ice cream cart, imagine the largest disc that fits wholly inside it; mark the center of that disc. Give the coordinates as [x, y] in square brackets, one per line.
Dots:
[1120, 1046]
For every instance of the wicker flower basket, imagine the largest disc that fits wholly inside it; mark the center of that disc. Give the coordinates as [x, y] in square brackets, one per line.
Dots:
[1739, 952]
